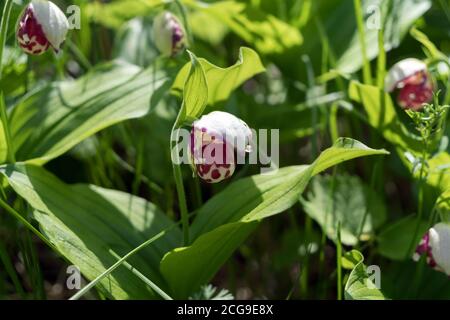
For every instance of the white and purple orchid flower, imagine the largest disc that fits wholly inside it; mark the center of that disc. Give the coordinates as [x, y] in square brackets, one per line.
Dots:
[410, 77]
[216, 139]
[168, 34]
[42, 25]
[435, 244]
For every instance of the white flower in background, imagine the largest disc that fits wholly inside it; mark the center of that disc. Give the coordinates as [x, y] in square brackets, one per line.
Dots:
[435, 244]
[42, 25]
[216, 138]
[168, 34]
[410, 77]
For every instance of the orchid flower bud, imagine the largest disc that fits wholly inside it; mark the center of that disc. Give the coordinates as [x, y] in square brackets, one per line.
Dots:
[216, 139]
[42, 25]
[413, 81]
[435, 244]
[168, 34]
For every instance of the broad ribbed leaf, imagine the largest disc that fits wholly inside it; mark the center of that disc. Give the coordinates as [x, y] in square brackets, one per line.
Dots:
[54, 119]
[265, 32]
[84, 222]
[254, 199]
[346, 200]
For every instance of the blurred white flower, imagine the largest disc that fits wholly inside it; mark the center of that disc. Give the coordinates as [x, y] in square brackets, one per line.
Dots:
[435, 244]
[168, 34]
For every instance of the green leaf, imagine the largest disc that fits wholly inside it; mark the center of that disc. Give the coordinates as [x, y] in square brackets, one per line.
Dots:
[221, 81]
[195, 92]
[187, 268]
[443, 206]
[222, 225]
[84, 222]
[113, 14]
[216, 31]
[354, 203]
[3, 139]
[399, 15]
[294, 122]
[359, 286]
[351, 259]
[395, 241]
[134, 43]
[54, 119]
[269, 194]
[430, 49]
[14, 72]
[338, 22]
[342, 150]
[407, 280]
[381, 115]
[268, 34]
[438, 167]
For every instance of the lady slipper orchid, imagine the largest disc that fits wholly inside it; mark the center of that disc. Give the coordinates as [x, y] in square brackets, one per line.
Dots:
[168, 34]
[413, 82]
[216, 139]
[435, 244]
[42, 25]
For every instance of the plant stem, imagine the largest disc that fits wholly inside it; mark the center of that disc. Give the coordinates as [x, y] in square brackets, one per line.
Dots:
[187, 27]
[420, 204]
[3, 114]
[367, 73]
[5, 123]
[4, 29]
[179, 185]
[78, 54]
[339, 262]
[304, 273]
[182, 203]
[381, 62]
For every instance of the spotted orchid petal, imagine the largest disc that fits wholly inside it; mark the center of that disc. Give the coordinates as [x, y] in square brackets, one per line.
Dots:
[42, 25]
[216, 138]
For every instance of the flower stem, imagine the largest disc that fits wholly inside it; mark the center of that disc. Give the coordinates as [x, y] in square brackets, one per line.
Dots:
[5, 123]
[179, 185]
[3, 114]
[182, 203]
[422, 180]
[367, 73]
[339, 262]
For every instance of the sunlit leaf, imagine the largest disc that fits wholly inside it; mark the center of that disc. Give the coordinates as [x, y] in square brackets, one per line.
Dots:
[52, 120]
[84, 222]
[359, 286]
[222, 81]
[222, 225]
